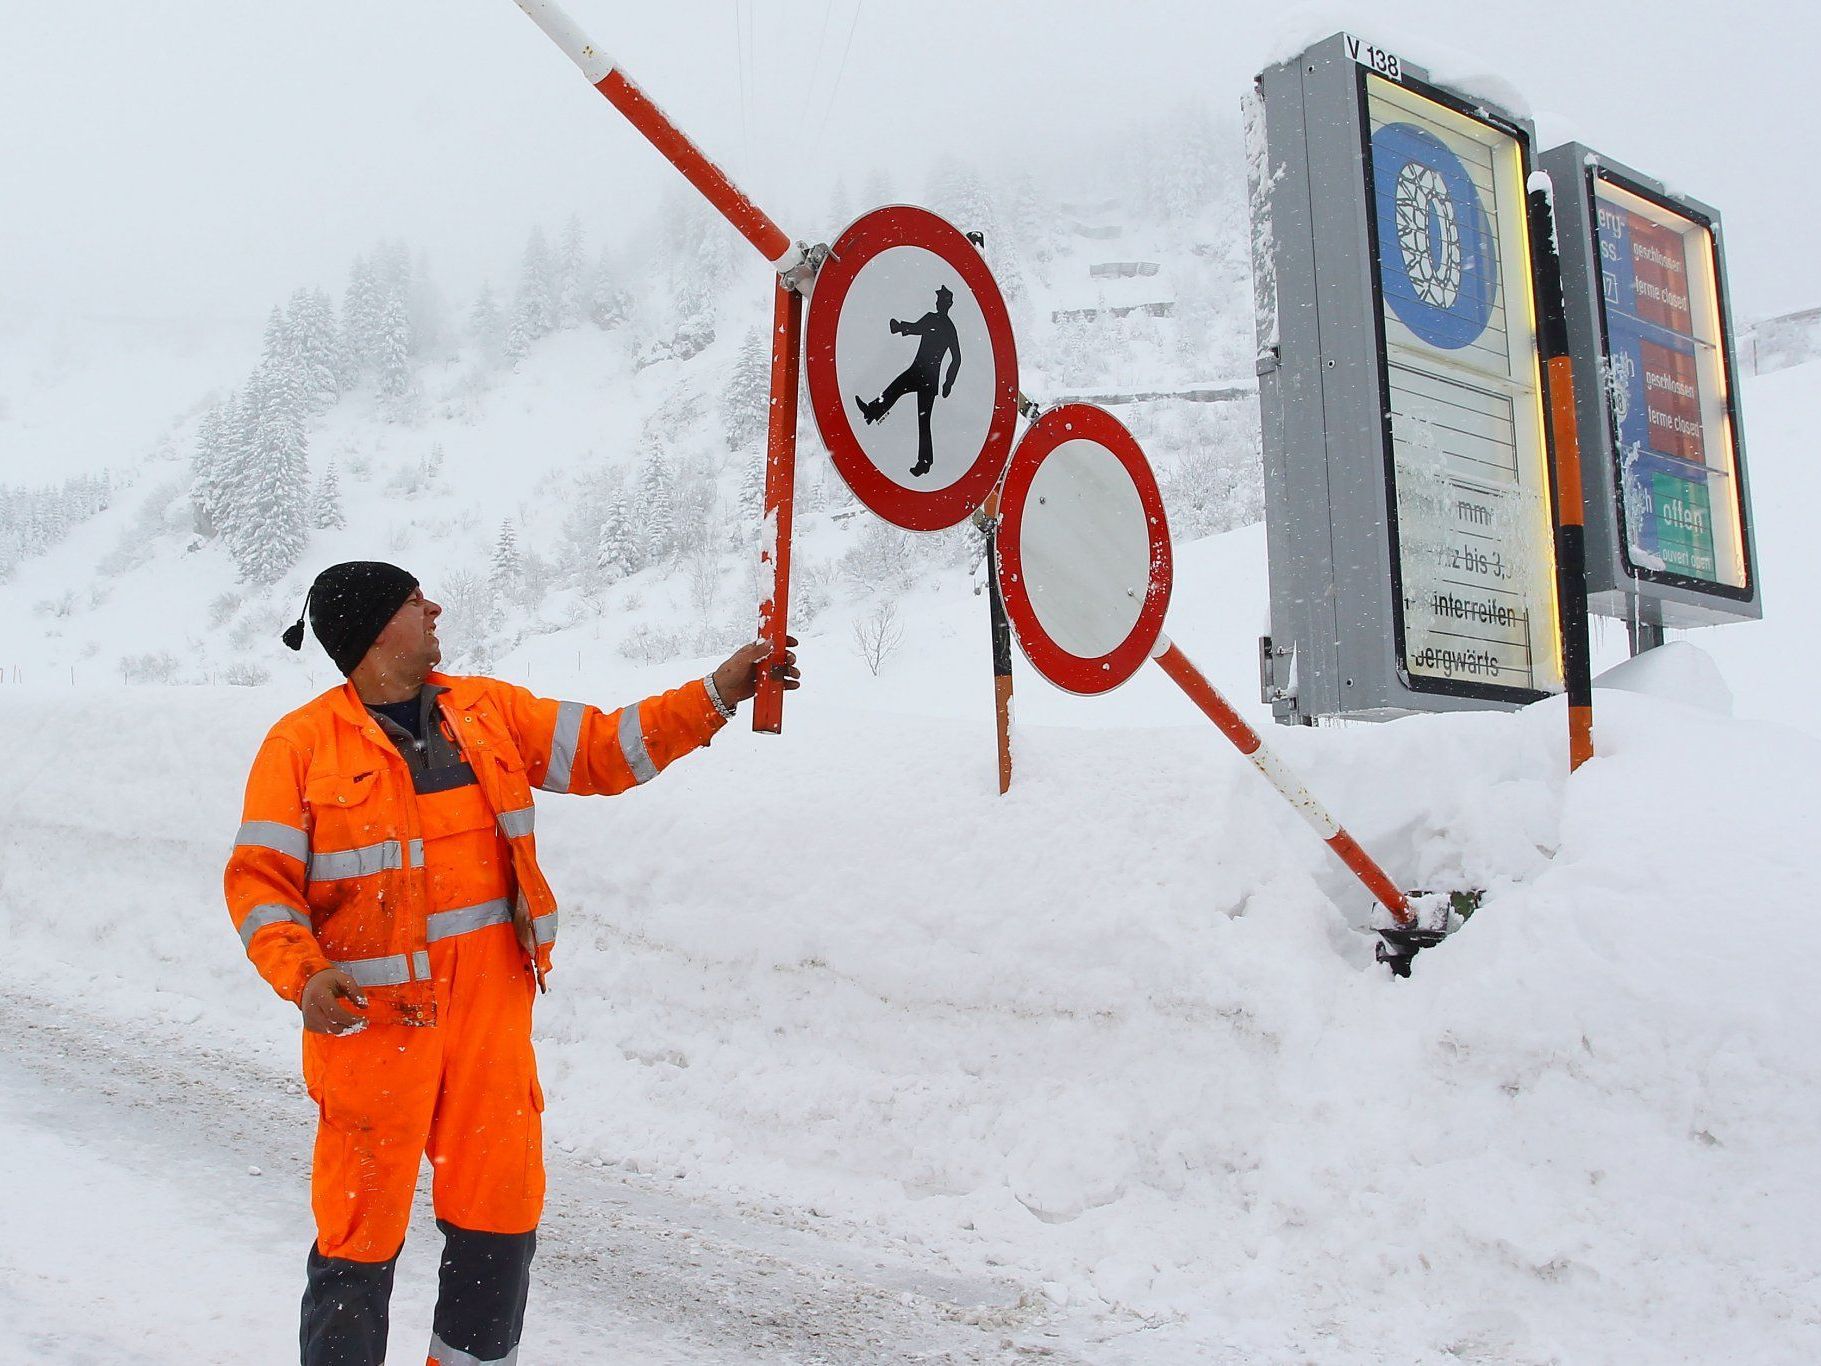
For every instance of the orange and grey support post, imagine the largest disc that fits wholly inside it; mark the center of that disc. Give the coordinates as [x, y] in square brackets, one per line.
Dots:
[1570, 509]
[988, 521]
[1232, 725]
[780, 498]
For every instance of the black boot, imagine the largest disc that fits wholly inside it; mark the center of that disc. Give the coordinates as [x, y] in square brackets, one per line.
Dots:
[480, 1295]
[344, 1311]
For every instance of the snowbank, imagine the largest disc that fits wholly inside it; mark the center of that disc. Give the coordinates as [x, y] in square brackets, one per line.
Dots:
[1117, 1033]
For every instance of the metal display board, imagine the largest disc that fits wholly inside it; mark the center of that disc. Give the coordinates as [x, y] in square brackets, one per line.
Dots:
[1668, 509]
[1407, 480]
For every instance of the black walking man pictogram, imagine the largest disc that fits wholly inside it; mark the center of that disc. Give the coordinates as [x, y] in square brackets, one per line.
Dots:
[937, 330]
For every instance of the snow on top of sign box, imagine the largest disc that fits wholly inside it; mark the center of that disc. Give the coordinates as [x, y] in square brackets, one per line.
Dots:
[1462, 70]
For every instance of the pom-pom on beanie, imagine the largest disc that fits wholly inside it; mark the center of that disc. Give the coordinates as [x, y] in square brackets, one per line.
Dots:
[349, 605]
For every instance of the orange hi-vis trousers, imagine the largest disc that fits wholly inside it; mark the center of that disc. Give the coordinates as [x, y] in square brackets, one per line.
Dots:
[463, 1091]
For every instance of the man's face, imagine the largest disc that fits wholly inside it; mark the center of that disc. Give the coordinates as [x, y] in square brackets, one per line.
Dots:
[408, 645]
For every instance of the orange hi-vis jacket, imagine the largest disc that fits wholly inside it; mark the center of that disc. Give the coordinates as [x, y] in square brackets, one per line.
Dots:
[328, 866]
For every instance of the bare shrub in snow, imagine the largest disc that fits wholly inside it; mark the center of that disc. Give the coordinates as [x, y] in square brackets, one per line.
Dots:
[878, 635]
[255, 630]
[60, 606]
[222, 609]
[812, 589]
[138, 540]
[469, 608]
[158, 666]
[644, 645]
[884, 557]
[1216, 482]
[704, 583]
[409, 481]
[244, 674]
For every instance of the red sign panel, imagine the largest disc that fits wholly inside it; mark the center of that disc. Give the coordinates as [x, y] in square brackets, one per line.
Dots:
[1659, 266]
[1672, 401]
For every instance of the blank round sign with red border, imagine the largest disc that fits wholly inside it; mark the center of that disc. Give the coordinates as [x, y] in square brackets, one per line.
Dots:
[913, 374]
[1084, 550]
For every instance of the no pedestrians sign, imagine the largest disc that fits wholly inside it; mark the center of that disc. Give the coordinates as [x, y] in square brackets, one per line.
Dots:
[913, 373]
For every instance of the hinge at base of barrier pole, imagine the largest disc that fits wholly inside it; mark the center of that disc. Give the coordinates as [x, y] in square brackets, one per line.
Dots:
[801, 278]
[1437, 915]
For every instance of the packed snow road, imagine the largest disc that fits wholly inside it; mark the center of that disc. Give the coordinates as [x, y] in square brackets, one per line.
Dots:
[155, 1197]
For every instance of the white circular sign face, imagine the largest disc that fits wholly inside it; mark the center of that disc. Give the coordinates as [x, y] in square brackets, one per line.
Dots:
[913, 373]
[1087, 549]
[915, 361]
[1084, 550]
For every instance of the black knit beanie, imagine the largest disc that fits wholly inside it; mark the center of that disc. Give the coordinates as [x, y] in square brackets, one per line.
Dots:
[349, 605]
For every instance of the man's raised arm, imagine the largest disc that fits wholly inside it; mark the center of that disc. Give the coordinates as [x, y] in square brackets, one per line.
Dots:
[576, 748]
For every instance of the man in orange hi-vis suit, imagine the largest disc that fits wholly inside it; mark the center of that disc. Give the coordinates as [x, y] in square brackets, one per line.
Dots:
[385, 880]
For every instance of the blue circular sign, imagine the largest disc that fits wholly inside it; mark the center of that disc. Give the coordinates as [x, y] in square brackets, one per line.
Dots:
[1438, 264]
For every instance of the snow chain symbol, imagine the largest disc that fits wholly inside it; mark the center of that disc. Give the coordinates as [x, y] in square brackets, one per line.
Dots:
[1441, 278]
[1429, 234]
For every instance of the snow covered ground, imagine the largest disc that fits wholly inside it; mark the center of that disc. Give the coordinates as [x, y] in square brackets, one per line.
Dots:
[1110, 1039]
[1112, 1045]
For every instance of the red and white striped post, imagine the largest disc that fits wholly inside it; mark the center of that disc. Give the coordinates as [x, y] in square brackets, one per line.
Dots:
[1232, 725]
[604, 74]
[796, 272]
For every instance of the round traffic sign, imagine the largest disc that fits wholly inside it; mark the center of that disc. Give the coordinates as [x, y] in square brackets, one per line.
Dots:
[913, 374]
[1084, 550]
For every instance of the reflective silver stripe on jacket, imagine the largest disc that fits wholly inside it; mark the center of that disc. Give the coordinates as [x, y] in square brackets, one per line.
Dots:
[543, 928]
[518, 824]
[632, 745]
[563, 745]
[276, 836]
[344, 863]
[444, 924]
[444, 1355]
[272, 914]
[366, 860]
[394, 970]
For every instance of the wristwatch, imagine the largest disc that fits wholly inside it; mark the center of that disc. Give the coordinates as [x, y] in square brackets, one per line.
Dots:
[714, 696]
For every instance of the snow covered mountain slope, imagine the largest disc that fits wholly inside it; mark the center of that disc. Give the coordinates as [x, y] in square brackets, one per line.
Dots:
[605, 416]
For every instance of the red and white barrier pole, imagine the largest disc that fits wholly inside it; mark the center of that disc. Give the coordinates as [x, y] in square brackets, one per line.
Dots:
[796, 272]
[605, 76]
[1202, 693]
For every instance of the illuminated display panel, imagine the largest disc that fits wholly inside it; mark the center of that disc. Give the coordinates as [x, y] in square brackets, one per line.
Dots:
[1473, 554]
[1680, 508]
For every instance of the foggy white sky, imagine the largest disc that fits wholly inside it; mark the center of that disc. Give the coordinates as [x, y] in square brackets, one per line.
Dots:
[199, 158]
